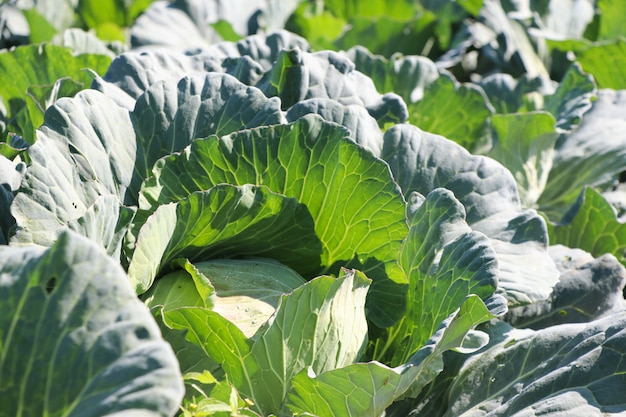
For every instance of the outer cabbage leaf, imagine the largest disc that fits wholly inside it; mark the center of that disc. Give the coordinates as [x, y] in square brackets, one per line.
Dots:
[75, 340]
[363, 127]
[572, 97]
[444, 262]
[59, 13]
[594, 154]
[169, 116]
[225, 221]
[564, 19]
[321, 324]
[496, 41]
[369, 388]
[106, 222]
[437, 103]
[298, 75]
[86, 149]
[132, 73]
[422, 162]
[567, 103]
[83, 42]
[571, 369]
[407, 76]
[357, 209]
[90, 147]
[591, 225]
[588, 289]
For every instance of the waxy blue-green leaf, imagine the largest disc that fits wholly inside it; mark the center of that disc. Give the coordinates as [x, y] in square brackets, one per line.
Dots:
[407, 76]
[571, 369]
[225, 221]
[524, 143]
[588, 288]
[572, 97]
[363, 127]
[568, 102]
[74, 339]
[594, 154]
[85, 149]
[319, 325]
[367, 389]
[106, 222]
[422, 161]
[297, 75]
[91, 147]
[169, 116]
[83, 42]
[133, 72]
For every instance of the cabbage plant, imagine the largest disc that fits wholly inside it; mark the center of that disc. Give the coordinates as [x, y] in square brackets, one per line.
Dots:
[257, 228]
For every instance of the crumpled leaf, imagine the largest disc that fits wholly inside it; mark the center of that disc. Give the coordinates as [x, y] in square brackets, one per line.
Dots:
[339, 392]
[106, 222]
[436, 101]
[444, 262]
[363, 127]
[299, 75]
[321, 324]
[568, 102]
[588, 288]
[91, 147]
[169, 116]
[407, 76]
[572, 98]
[496, 41]
[75, 160]
[594, 154]
[422, 162]
[72, 316]
[570, 369]
[225, 221]
[133, 72]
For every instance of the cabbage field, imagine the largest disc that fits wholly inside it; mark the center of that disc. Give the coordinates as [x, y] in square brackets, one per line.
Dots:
[312, 208]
